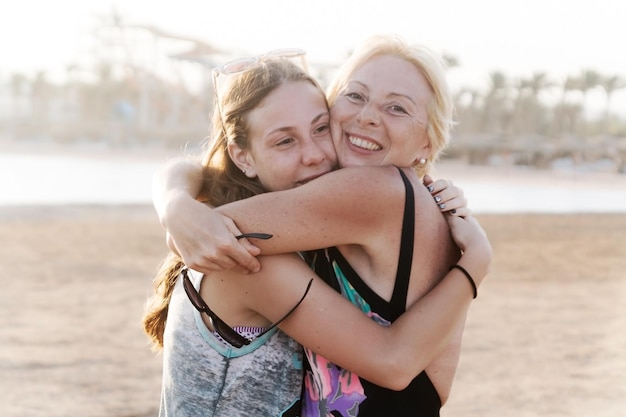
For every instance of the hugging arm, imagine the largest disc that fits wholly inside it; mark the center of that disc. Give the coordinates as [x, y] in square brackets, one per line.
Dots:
[328, 324]
[205, 239]
[355, 205]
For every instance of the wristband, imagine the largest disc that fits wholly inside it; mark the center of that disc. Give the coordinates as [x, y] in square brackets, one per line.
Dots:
[469, 278]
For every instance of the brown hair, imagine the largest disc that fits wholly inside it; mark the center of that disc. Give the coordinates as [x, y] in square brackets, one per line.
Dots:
[223, 181]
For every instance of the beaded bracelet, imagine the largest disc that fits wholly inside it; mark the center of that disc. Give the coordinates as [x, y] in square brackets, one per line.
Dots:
[469, 278]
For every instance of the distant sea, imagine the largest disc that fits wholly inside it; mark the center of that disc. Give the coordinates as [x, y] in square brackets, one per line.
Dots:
[41, 179]
[38, 179]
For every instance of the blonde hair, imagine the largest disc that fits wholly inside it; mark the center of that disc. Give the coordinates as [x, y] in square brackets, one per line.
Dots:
[223, 181]
[440, 109]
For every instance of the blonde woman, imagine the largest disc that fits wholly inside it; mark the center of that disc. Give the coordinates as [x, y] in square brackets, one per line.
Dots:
[390, 244]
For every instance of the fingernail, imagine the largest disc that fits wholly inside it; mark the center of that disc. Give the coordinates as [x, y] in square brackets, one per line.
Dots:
[430, 188]
[442, 206]
[437, 199]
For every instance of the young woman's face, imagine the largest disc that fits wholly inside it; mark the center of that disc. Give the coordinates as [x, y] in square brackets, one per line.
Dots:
[289, 136]
[380, 117]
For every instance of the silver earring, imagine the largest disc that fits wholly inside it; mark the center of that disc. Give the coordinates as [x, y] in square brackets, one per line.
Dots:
[244, 171]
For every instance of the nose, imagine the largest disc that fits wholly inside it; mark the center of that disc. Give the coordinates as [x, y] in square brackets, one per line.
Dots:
[368, 115]
[312, 152]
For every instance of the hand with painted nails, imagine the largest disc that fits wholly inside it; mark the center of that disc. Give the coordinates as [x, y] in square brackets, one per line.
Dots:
[447, 196]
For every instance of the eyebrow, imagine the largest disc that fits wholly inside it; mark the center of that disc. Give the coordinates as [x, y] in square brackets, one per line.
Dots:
[392, 94]
[288, 128]
[319, 116]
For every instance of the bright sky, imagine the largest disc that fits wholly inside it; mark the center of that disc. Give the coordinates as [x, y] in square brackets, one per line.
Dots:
[560, 37]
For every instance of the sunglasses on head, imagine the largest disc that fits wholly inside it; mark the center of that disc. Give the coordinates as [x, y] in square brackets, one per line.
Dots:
[240, 65]
[243, 64]
[224, 330]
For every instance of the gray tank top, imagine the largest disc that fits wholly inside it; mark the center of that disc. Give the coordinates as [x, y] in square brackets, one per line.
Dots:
[202, 376]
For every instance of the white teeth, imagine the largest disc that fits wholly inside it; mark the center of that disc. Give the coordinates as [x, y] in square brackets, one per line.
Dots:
[360, 143]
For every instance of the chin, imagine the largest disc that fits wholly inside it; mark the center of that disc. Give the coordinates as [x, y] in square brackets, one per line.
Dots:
[354, 161]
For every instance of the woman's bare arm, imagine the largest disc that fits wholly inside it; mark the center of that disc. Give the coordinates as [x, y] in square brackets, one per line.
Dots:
[178, 177]
[205, 239]
[347, 206]
[330, 325]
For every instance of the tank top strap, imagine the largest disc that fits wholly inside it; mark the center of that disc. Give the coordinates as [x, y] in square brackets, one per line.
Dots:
[405, 258]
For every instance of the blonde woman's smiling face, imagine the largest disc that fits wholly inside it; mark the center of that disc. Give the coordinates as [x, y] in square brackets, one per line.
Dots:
[380, 116]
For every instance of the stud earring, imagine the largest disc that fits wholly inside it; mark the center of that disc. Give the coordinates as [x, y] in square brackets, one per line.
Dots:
[422, 161]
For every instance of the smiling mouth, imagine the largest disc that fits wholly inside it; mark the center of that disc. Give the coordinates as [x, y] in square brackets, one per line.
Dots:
[364, 144]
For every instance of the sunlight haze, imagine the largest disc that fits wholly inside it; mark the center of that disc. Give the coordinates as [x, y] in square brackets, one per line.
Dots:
[519, 38]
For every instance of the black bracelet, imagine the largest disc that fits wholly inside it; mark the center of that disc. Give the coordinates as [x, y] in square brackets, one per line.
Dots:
[469, 278]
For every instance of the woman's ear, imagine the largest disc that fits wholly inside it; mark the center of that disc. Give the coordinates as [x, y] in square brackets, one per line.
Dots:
[424, 155]
[243, 159]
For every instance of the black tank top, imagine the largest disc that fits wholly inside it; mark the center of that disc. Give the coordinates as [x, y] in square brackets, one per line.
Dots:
[420, 398]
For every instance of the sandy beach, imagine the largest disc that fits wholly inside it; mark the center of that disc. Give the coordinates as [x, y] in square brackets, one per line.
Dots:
[546, 337]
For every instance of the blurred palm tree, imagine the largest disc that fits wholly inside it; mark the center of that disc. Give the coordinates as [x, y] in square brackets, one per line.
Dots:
[18, 84]
[589, 79]
[469, 106]
[539, 82]
[610, 84]
[496, 114]
[529, 112]
[40, 93]
[451, 61]
[565, 115]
